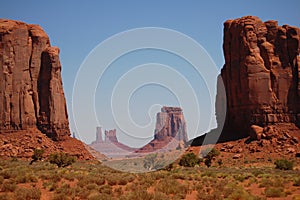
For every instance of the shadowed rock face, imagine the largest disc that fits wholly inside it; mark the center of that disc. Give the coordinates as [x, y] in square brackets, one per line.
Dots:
[261, 74]
[31, 92]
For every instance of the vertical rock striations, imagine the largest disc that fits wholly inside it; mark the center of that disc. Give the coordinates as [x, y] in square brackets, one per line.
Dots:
[170, 123]
[31, 92]
[261, 74]
[170, 131]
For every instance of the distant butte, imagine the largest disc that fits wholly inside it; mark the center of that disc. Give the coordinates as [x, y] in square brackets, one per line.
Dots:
[170, 131]
[110, 146]
[169, 134]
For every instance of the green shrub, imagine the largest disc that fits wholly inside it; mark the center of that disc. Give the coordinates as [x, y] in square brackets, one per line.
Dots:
[9, 173]
[37, 155]
[209, 155]
[160, 196]
[274, 192]
[26, 178]
[51, 186]
[8, 186]
[90, 179]
[105, 189]
[100, 197]
[60, 196]
[284, 164]
[220, 162]
[208, 162]
[297, 182]
[26, 194]
[137, 194]
[271, 182]
[64, 189]
[61, 159]
[5, 197]
[189, 160]
[151, 162]
[171, 186]
[213, 153]
[206, 196]
[92, 186]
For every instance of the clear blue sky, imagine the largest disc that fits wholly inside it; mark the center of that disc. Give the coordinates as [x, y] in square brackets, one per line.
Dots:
[77, 27]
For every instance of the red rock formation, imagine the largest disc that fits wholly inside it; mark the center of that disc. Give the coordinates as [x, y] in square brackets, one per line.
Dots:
[261, 73]
[110, 146]
[170, 131]
[261, 76]
[31, 92]
[170, 123]
[22, 144]
[111, 136]
[99, 135]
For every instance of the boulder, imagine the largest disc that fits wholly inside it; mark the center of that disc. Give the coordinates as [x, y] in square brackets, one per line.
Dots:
[237, 156]
[256, 132]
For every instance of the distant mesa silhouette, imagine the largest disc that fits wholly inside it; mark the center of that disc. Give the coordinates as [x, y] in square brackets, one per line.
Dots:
[169, 134]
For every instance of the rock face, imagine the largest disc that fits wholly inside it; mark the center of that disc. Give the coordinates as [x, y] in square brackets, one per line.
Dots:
[110, 146]
[169, 134]
[31, 92]
[170, 123]
[111, 135]
[170, 131]
[261, 74]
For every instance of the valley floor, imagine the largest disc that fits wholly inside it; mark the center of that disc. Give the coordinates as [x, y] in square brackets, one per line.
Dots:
[92, 180]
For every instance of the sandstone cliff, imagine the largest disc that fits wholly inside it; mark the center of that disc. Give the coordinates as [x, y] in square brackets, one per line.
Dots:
[261, 76]
[261, 73]
[31, 92]
[33, 112]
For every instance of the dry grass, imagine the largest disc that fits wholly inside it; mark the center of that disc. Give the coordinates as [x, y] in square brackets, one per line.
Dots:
[92, 180]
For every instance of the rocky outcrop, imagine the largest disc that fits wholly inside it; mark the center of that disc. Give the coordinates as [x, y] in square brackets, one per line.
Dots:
[261, 74]
[110, 146]
[111, 136]
[22, 143]
[170, 131]
[170, 123]
[31, 92]
[169, 134]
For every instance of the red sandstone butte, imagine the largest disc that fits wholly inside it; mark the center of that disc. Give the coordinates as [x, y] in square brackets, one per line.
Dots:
[31, 91]
[261, 76]
[32, 100]
[170, 131]
[261, 73]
